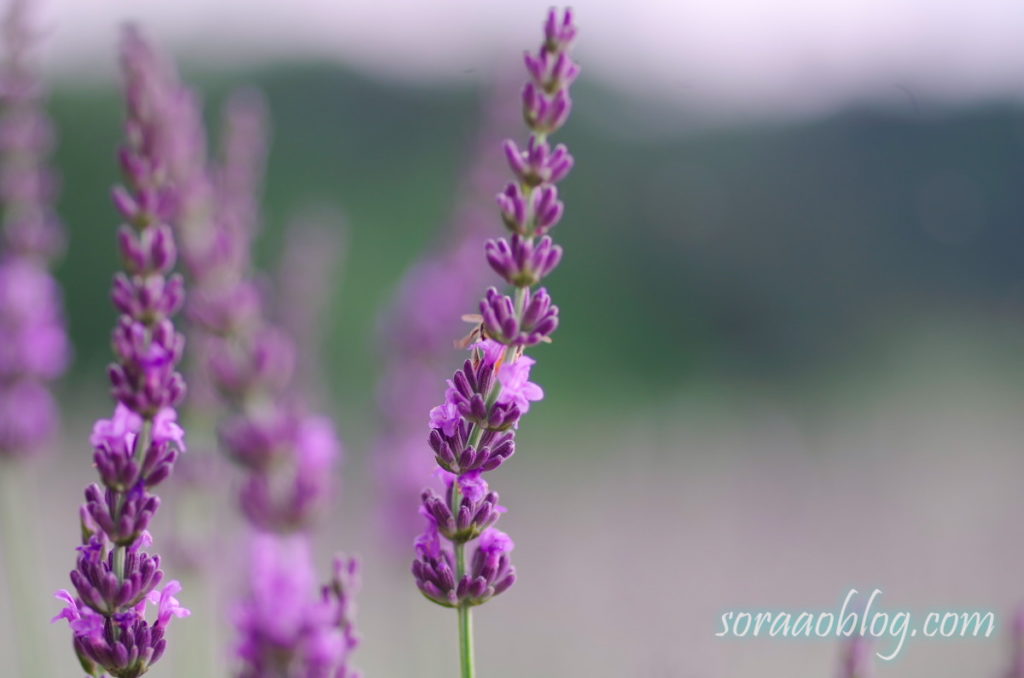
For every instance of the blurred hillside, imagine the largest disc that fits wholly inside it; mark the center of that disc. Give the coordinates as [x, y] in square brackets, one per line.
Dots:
[779, 253]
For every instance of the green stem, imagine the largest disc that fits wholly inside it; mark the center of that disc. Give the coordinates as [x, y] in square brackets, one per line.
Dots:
[466, 663]
[141, 446]
[119, 562]
[466, 659]
[465, 616]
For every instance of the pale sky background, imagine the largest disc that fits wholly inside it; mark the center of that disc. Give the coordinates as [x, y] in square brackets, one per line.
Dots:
[775, 56]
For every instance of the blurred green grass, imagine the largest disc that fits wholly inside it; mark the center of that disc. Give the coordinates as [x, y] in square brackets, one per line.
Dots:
[775, 252]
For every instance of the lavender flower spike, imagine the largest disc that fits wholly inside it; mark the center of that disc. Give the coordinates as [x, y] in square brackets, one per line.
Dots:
[115, 579]
[288, 454]
[35, 349]
[287, 630]
[462, 559]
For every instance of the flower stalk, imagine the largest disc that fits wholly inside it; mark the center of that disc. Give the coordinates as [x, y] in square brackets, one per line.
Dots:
[287, 453]
[115, 578]
[35, 350]
[473, 430]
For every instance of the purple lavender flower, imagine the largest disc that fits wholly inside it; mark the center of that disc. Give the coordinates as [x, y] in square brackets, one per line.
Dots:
[477, 509]
[462, 560]
[340, 594]
[250, 362]
[35, 350]
[286, 628]
[521, 261]
[516, 387]
[123, 644]
[524, 322]
[305, 457]
[489, 574]
[135, 450]
[288, 454]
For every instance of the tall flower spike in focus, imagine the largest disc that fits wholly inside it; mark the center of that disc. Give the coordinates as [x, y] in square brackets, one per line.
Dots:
[116, 580]
[288, 627]
[462, 559]
[35, 348]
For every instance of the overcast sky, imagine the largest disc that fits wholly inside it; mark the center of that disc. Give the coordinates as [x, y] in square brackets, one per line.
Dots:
[774, 55]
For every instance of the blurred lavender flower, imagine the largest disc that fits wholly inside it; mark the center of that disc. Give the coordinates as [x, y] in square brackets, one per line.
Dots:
[35, 350]
[135, 450]
[486, 398]
[250, 362]
[289, 454]
[416, 331]
[286, 629]
[340, 595]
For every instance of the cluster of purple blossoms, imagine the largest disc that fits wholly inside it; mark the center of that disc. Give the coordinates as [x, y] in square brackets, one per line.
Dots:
[110, 631]
[289, 455]
[286, 628]
[285, 631]
[35, 349]
[135, 450]
[473, 431]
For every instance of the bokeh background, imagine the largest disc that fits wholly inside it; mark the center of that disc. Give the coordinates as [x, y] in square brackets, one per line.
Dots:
[792, 315]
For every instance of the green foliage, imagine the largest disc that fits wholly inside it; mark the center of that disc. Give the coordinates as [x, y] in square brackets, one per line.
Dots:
[771, 251]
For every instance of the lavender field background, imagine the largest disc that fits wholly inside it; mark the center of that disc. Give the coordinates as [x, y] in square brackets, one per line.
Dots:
[788, 365]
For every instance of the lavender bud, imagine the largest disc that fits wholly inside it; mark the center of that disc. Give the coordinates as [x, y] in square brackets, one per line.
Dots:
[513, 207]
[124, 203]
[538, 163]
[559, 35]
[539, 318]
[522, 262]
[455, 455]
[547, 210]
